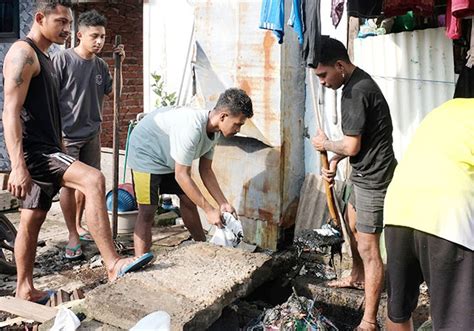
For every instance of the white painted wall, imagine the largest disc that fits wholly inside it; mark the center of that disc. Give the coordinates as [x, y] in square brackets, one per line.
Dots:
[167, 28]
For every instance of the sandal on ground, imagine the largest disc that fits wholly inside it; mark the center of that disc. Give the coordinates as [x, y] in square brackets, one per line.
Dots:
[44, 300]
[136, 264]
[76, 252]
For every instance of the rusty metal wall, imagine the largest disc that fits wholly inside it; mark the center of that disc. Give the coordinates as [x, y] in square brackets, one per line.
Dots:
[261, 180]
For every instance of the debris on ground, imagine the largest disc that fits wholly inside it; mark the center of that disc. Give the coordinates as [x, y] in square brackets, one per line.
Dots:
[298, 313]
[318, 240]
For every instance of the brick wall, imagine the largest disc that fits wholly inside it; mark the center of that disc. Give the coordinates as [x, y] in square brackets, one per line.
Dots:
[124, 18]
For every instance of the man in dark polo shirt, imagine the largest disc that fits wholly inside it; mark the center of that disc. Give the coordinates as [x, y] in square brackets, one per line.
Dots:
[367, 128]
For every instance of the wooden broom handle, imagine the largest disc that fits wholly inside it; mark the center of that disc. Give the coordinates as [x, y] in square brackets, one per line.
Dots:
[330, 196]
[330, 192]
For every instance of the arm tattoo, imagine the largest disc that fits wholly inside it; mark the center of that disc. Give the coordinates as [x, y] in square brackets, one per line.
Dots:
[335, 146]
[20, 62]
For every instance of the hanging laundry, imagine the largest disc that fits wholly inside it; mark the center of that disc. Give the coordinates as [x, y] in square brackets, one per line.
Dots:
[272, 17]
[401, 7]
[337, 9]
[364, 8]
[462, 8]
[311, 19]
[455, 11]
[295, 20]
[453, 24]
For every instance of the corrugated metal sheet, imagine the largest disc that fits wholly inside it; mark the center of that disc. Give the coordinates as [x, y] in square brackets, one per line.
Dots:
[415, 72]
[261, 181]
[241, 54]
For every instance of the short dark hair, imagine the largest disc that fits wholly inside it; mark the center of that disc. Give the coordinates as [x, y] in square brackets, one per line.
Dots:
[332, 50]
[237, 101]
[91, 18]
[47, 6]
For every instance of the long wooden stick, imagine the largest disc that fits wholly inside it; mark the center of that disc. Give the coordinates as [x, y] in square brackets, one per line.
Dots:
[330, 196]
[116, 136]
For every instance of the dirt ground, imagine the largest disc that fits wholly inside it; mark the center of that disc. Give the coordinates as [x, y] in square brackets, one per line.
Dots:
[53, 271]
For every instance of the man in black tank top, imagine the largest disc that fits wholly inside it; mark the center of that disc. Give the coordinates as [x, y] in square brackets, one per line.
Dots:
[32, 128]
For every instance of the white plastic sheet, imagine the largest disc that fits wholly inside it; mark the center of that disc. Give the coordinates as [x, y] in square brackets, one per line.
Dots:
[231, 234]
[65, 320]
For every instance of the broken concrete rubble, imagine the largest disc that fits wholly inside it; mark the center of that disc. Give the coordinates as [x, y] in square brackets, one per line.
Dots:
[192, 284]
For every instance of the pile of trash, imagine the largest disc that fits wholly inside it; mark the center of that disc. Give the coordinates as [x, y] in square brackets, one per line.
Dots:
[296, 314]
[318, 240]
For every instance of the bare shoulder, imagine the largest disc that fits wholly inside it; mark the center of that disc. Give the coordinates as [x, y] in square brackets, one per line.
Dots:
[20, 60]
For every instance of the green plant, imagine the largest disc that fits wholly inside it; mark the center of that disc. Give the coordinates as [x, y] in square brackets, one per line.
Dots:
[163, 98]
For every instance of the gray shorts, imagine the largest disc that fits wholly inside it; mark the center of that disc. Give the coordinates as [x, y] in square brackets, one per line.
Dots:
[369, 208]
[87, 151]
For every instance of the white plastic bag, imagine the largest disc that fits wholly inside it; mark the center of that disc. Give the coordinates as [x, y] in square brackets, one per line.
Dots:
[231, 234]
[65, 320]
[156, 321]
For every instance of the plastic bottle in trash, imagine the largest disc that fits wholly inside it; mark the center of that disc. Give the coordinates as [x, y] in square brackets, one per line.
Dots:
[157, 321]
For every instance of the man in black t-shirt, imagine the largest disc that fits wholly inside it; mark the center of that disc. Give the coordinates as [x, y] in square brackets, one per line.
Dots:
[367, 128]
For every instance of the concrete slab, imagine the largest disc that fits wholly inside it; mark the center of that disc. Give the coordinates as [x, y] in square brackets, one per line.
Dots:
[192, 284]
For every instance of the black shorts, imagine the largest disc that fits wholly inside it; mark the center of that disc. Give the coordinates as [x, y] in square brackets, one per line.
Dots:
[148, 186]
[46, 172]
[87, 151]
[448, 269]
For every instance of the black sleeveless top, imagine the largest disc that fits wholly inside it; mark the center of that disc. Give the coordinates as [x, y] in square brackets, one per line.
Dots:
[40, 113]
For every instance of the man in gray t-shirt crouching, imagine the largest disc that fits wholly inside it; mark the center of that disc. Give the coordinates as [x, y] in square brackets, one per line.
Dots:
[162, 148]
[84, 79]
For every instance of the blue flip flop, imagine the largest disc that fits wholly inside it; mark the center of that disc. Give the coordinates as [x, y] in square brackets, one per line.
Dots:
[44, 300]
[136, 264]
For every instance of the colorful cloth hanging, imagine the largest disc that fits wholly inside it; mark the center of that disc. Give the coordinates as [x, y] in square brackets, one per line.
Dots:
[272, 17]
[295, 20]
[337, 9]
[455, 11]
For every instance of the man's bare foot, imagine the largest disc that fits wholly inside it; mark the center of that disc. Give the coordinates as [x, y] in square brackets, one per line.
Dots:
[347, 282]
[33, 295]
[367, 325]
[114, 272]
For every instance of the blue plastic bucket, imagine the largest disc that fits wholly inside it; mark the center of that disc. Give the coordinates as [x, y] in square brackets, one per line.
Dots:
[125, 201]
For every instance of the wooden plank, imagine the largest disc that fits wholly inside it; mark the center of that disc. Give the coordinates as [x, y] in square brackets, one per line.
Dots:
[77, 294]
[14, 321]
[27, 309]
